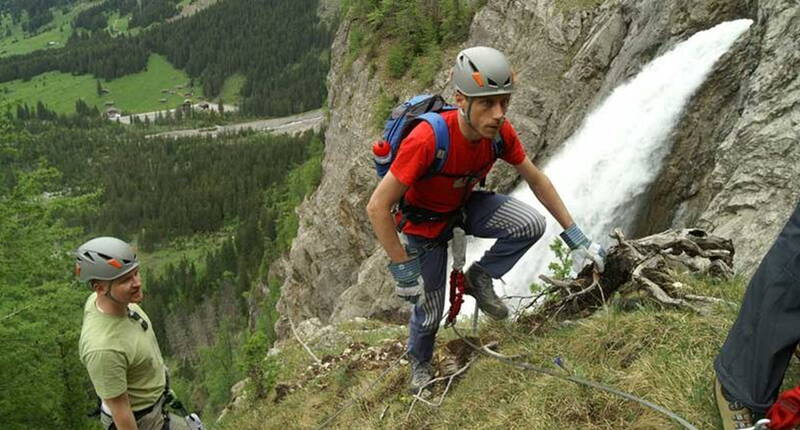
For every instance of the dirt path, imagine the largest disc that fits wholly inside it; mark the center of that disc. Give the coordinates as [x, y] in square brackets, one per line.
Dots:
[288, 124]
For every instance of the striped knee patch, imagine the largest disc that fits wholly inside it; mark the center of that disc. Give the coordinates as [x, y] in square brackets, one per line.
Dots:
[518, 220]
[433, 308]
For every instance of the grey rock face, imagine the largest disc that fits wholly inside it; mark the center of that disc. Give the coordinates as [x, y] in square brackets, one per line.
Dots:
[734, 169]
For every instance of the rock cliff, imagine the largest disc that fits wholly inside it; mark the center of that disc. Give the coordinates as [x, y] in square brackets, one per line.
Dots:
[734, 170]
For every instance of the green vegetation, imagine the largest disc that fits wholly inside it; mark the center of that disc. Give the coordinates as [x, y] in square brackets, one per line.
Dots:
[198, 287]
[15, 41]
[231, 92]
[413, 33]
[234, 270]
[185, 248]
[662, 355]
[382, 109]
[42, 381]
[136, 93]
[284, 69]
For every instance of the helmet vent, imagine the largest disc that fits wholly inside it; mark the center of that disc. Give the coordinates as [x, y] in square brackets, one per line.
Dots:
[474, 68]
[492, 83]
[88, 256]
[508, 82]
[105, 257]
[126, 261]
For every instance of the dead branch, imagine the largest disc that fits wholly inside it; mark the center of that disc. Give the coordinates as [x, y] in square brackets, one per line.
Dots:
[650, 264]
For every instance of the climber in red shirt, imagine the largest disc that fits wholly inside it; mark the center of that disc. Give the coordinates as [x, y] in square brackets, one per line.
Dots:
[430, 205]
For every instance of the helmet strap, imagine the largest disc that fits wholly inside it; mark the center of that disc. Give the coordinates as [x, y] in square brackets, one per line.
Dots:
[467, 114]
[112, 298]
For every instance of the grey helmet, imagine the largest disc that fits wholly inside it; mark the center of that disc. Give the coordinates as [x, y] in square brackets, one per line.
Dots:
[481, 71]
[105, 259]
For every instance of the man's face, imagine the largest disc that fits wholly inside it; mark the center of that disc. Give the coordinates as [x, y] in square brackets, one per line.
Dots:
[128, 288]
[487, 113]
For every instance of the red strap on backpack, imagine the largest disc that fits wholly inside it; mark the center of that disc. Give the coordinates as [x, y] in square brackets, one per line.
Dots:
[457, 286]
[785, 412]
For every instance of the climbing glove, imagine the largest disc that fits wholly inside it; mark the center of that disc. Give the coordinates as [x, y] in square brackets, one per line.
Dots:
[584, 251]
[408, 276]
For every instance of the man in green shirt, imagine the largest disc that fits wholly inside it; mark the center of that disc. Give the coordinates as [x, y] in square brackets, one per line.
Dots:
[117, 344]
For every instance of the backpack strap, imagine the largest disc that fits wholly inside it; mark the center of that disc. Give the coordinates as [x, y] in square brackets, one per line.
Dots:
[498, 145]
[442, 135]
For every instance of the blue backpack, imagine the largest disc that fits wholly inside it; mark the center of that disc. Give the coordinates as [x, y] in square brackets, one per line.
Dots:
[405, 117]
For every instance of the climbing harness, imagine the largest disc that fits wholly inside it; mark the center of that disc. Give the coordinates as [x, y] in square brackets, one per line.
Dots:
[577, 380]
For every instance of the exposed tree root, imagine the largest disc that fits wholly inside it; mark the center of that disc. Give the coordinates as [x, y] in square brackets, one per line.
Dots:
[649, 265]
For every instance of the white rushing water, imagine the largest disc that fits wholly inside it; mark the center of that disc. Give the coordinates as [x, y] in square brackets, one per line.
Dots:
[603, 170]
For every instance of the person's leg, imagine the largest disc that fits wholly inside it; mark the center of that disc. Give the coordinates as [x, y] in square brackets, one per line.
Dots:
[425, 317]
[754, 357]
[515, 225]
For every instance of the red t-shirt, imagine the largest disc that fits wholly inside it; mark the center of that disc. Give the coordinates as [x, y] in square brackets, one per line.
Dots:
[440, 193]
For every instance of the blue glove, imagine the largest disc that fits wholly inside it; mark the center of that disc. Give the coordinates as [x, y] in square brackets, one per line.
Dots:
[408, 276]
[584, 251]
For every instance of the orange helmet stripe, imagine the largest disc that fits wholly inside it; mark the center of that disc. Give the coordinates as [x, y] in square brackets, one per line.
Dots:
[115, 263]
[478, 79]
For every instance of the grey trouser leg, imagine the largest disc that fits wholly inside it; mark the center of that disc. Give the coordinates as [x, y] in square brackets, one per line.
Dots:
[753, 360]
[516, 226]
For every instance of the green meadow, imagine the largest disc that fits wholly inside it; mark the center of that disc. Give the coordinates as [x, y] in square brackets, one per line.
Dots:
[136, 93]
[13, 40]
[231, 88]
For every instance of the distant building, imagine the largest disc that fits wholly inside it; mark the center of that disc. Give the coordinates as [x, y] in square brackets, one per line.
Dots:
[112, 113]
[203, 105]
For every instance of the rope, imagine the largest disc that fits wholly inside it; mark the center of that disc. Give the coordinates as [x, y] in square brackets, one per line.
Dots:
[578, 380]
[371, 386]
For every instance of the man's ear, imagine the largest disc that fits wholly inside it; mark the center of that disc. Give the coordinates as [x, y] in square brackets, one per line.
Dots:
[99, 285]
[461, 99]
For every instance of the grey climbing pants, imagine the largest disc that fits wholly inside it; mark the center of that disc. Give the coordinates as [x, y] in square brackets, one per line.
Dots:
[515, 225]
[756, 353]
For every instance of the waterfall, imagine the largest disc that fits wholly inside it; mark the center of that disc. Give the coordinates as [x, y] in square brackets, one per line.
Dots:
[603, 170]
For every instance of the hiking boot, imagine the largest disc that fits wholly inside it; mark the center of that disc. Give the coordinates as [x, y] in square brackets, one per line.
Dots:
[734, 415]
[479, 285]
[421, 374]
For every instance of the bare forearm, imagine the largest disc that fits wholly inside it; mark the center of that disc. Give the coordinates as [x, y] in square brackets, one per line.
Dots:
[124, 420]
[383, 225]
[121, 412]
[547, 194]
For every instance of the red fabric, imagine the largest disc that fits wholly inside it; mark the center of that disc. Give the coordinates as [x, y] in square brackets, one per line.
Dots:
[785, 413]
[457, 288]
[444, 193]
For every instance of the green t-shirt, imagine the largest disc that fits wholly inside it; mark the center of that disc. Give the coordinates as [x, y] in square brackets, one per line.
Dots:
[121, 356]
